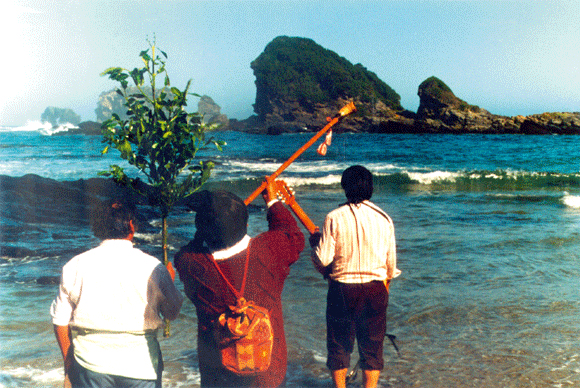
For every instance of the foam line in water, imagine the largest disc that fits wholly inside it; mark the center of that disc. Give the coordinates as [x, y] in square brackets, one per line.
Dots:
[42, 127]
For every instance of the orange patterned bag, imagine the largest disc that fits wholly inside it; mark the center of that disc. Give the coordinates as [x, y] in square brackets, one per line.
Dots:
[244, 333]
[245, 338]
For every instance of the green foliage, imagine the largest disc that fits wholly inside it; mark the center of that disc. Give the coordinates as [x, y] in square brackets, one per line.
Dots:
[300, 69]
[435, 85]
[57, 116]
[437, 89]
[158, 137]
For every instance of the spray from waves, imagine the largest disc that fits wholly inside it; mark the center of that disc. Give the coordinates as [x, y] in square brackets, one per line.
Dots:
[571, 201]
[480, 180]
[42, 127]
[30, 376]
[316, 176]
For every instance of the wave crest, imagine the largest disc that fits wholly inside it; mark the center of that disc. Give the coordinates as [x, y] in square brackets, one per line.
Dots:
[42, 127]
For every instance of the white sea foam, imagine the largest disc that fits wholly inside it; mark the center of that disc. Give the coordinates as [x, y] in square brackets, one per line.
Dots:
[313, 167]
[427, 178]
[42, 127]
[36, 377]
[327, 180]
[571, 201]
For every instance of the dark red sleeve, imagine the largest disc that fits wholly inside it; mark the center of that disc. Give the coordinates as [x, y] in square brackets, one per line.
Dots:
[281, 220]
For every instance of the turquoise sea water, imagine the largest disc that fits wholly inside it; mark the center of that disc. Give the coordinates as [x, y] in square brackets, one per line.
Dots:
[488, 240]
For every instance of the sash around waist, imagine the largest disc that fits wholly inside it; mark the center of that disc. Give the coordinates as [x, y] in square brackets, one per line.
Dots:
[130, 354]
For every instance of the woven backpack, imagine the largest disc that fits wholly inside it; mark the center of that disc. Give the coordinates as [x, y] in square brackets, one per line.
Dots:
[244, 332]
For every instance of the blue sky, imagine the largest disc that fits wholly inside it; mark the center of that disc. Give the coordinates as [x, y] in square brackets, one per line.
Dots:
[509, 57]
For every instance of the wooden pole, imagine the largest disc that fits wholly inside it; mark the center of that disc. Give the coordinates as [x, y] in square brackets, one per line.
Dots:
[345, 111]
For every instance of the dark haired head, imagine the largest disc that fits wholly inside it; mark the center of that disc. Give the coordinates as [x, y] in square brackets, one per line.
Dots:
[112, 219]
[357, 183]
[221, 219]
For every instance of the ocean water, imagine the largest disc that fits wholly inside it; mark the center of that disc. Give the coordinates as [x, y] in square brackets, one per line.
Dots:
[488, 239]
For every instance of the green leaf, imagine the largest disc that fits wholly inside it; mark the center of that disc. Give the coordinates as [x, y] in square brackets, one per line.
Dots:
[137, 76]
[145, 55]
[176, 91]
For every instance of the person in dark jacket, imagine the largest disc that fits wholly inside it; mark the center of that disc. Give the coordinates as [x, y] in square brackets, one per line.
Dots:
[221, 231]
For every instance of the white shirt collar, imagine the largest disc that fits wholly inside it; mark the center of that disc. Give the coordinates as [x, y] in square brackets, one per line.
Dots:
[233, 250]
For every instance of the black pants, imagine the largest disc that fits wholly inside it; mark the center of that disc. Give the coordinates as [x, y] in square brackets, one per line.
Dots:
[356, 311]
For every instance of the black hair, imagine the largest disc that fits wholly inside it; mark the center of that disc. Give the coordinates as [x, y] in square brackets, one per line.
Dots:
[221, 219]
[357, 183]
[112, 218]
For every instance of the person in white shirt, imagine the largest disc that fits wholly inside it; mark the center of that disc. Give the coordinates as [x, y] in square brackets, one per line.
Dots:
[109, 307]
[356, 251]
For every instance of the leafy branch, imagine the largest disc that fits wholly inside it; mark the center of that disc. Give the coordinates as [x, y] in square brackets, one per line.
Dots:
[158, 137]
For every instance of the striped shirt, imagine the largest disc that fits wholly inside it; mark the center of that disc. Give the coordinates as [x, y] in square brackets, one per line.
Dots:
[359, 241]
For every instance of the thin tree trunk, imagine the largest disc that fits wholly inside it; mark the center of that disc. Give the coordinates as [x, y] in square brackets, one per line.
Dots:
[167, 328]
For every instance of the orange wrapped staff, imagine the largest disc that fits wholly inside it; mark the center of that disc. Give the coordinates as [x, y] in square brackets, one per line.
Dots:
[287, 196]
[345, 111]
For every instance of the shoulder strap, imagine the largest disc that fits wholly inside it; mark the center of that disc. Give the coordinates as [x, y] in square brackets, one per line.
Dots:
[231, 287]
[377, 209]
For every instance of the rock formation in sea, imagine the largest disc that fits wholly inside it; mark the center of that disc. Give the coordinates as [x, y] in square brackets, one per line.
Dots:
[211, 112]
[440, 111]
[110, 103]
[59, 116]
[299, 84]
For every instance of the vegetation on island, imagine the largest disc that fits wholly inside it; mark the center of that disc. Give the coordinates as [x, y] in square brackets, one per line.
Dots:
[299, 69]
[438, 90]
[158, 137]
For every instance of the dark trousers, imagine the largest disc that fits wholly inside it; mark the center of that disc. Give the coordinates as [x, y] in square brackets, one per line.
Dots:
[356, 311]
[83, 378]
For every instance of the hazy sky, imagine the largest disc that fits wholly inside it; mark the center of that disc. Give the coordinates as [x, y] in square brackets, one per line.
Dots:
[509, 57]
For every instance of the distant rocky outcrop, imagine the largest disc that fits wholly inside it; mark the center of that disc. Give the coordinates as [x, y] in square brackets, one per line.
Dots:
[211, 112]
[60, 116]
[299, 84]
[85, 128]
[440, 111]
[110, 103]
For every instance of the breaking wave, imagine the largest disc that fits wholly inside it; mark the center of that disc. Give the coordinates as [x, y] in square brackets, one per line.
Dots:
[41, 127]
[471, 181]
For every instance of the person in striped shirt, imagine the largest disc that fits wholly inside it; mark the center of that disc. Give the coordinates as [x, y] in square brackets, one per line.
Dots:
[356, 252]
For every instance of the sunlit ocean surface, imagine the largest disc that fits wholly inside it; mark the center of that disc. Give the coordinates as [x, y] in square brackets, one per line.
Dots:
[488, 240]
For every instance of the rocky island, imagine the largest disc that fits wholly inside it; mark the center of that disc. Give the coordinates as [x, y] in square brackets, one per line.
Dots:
[299, 83]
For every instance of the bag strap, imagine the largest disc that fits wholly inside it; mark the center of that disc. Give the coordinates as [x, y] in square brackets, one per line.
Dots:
[237, 294]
